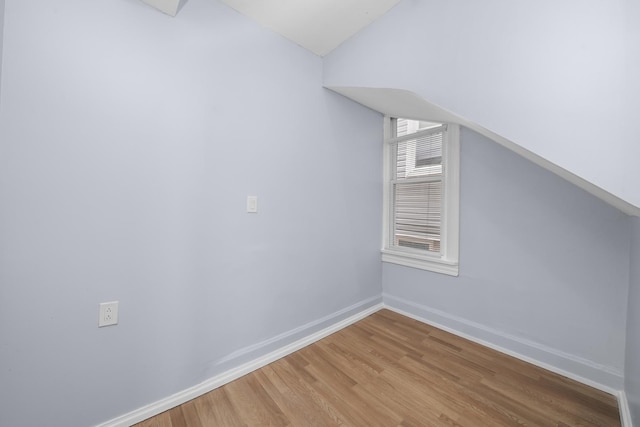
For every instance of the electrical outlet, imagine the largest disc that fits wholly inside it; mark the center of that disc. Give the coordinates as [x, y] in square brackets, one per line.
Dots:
[108, 314]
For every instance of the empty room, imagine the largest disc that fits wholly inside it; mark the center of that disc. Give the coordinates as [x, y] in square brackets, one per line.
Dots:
[319, 212]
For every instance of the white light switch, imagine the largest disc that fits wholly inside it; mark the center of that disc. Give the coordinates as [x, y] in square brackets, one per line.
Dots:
[252, 204]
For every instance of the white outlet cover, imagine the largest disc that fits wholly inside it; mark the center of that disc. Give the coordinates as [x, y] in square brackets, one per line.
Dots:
[108, 314]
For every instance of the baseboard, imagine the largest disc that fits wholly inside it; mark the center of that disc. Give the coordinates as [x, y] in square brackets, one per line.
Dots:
[625, 411]
[595, 375]
[365, 308]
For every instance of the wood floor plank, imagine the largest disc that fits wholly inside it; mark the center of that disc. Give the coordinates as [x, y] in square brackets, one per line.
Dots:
[299, 410]
[177, 418]
[391, 392]
[253, 404]
[291, 374]
[391, 370]
[161, 420]
[214, 408]
[190, 413]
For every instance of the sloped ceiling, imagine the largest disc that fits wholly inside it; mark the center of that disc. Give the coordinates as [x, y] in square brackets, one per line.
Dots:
[317, 25]
[404, 103]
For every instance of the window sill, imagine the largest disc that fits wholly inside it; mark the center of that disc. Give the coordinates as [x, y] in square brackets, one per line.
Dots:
[436, 265]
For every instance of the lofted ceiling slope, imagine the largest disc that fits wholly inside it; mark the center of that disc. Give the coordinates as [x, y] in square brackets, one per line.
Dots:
[404, 103]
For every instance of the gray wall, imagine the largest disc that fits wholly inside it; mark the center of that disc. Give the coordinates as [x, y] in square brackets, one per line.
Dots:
[632, 369]
[551, 77]
[632, 68]
[543, 267]
[129, 141]
[1, 43]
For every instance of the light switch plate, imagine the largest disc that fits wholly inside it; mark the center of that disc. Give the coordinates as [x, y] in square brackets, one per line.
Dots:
[252, 204]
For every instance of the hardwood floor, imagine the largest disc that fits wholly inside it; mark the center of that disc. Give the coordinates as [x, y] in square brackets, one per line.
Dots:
[390, 370]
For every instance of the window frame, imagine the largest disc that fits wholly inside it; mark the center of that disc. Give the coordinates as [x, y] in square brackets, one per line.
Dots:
[447, 261]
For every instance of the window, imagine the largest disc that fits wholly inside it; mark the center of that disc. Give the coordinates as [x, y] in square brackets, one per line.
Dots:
[421, 194]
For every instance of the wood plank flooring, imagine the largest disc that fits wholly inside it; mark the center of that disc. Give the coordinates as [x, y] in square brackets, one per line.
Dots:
[390, 370]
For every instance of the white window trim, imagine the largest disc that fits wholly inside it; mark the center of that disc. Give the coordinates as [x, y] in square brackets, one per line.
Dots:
[447, 261]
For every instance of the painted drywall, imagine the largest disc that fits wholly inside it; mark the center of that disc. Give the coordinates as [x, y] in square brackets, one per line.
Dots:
[633, 70]
[129, 141]
[1, 43]
[548, 76]
[543, 267]
[632, 368]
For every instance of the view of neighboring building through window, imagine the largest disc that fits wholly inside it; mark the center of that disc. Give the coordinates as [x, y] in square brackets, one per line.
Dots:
[416, 192]
[418, 185]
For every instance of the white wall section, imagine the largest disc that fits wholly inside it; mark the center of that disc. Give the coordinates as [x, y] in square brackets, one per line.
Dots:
[128, 145]
[550, 77]
[1, 43]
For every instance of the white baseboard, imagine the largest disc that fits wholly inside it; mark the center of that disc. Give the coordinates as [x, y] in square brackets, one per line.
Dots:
[183, 396]
[625, 411]
[587, 372]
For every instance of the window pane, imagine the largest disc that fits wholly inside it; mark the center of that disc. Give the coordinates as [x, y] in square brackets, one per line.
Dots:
[420, 157]
[407, 127]
[417, 208]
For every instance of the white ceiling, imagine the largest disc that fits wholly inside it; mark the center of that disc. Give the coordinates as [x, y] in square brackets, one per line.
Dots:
[317, 25]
